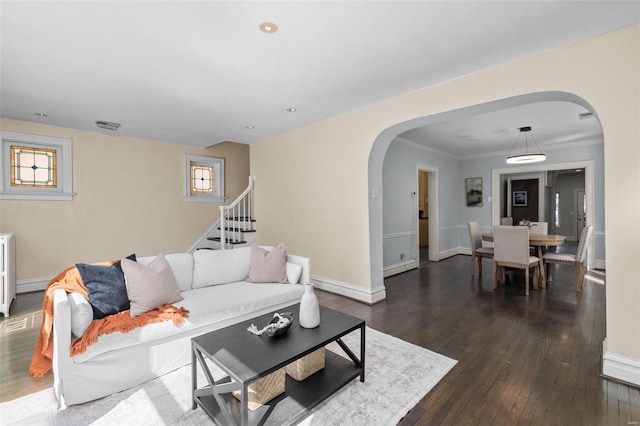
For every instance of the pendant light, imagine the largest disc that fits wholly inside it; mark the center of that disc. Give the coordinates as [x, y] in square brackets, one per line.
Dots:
[527, 157]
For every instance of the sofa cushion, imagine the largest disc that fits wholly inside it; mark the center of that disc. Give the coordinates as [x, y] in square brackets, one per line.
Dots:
[81, 313]
[209, 308]
[293, 272]
[213, 267]
[268, 266]
[181, 265]
[149, 286]
[105, 287]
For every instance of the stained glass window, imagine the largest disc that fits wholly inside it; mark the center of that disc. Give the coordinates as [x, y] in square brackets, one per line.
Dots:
[33, 167]
[202, 179]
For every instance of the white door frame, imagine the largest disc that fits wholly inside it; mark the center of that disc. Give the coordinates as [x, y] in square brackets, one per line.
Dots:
[541, 199]
[433, 213]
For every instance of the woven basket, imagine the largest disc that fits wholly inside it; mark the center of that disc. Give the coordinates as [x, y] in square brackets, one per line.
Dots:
[303, 367]
[264, 390]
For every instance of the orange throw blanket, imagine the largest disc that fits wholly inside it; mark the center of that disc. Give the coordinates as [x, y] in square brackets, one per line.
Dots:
[71, 281]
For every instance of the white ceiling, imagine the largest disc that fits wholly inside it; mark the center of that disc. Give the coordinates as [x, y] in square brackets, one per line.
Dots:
[200, 72]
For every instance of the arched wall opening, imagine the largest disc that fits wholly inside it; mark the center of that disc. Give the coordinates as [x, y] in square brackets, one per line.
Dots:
[383, 141]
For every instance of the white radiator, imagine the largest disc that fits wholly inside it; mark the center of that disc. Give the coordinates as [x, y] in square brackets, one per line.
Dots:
[8, 272]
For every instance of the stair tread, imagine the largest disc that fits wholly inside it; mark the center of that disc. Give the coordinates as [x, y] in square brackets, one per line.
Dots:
[239, 230]
[228, 240]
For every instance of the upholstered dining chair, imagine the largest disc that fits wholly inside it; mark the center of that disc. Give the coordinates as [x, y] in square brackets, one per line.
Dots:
[511, 250]
[507, 221]
[539, 227]
[571, 259]
[477, 250]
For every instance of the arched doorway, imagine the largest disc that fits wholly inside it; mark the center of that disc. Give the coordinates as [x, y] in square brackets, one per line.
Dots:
[383, 141]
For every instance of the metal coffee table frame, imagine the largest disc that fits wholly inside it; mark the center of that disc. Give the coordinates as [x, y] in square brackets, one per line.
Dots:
[245, 358]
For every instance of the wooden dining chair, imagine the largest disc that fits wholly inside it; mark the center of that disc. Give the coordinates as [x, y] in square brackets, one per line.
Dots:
[477, 250]
[511, 250]
[571, 259]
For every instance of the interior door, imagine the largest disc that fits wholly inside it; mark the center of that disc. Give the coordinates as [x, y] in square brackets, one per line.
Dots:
[581, 212]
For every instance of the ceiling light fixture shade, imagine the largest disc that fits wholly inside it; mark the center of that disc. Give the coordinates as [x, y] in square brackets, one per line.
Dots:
[527, 157]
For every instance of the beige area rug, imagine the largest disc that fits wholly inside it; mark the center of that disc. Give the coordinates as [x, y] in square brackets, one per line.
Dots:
[398, 375]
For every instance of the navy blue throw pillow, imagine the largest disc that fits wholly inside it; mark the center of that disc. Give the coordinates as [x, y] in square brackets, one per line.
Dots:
[105, 287]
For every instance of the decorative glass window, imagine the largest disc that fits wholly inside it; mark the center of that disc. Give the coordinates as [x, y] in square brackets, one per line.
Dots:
[35, 167]
[204, 179]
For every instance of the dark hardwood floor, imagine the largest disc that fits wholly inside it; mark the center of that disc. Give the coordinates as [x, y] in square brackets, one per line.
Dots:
[521, 360]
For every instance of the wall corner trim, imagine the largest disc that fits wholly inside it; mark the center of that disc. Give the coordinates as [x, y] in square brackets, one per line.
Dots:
[620, 367]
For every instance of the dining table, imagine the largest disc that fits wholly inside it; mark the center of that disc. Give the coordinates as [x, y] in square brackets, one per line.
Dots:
[540, 241]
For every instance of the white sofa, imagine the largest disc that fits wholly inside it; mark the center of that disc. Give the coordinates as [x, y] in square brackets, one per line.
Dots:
[216, 293]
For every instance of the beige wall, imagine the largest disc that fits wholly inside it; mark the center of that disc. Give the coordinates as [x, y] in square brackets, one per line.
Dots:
[312, 182]
[130, 199]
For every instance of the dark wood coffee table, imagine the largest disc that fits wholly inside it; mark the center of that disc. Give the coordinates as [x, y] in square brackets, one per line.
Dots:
[246, 358]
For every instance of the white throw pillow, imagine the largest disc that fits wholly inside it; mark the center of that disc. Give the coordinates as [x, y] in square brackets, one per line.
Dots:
[213, 267]
[293, 272]
[149, 286]
[81, 313]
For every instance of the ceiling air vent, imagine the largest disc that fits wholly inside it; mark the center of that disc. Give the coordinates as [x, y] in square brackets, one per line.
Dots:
[107, 125]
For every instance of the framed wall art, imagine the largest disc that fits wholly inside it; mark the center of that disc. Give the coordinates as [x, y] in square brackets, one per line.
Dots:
[473, 191]
[519, 199]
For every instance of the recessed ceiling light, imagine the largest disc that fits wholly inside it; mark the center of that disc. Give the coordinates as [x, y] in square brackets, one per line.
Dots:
[292, 109]
[268, 27]
[249, 127]
[41, 114]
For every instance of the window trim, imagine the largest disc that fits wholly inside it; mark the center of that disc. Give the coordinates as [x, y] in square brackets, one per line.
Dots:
[217, 196]
[63, 191]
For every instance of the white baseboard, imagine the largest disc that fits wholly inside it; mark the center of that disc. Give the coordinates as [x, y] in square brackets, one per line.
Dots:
[32, 284]
[451, 252]
[399, 268]
[464, 250]
[620, 367]
[369, 296]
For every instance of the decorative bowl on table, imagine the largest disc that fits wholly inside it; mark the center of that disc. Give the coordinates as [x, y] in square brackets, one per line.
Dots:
[279, 324]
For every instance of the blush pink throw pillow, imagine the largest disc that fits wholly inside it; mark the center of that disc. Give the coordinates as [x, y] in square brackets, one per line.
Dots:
[149, 286]
[268, 266]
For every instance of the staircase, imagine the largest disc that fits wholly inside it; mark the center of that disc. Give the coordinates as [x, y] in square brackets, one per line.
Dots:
[236, 226]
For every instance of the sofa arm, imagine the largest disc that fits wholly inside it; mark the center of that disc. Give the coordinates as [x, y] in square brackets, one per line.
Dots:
[61, 339]
[305, 263]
